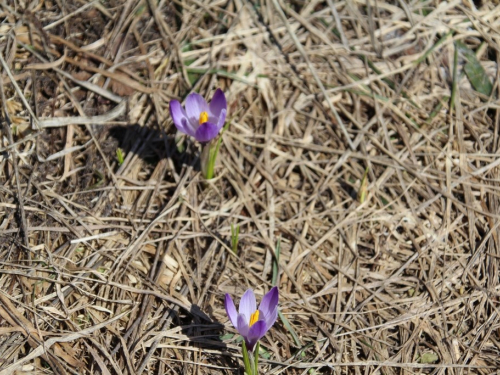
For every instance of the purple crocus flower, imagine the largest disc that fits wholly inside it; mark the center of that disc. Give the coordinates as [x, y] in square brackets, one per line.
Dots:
[200, 120]
[251, 323]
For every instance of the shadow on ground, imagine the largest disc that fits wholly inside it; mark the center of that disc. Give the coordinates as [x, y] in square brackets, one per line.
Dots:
[152, 145]
[205, 332]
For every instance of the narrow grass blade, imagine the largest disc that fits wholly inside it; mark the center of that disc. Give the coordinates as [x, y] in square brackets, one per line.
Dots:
[235, 234]
[256, 359]
[287, 325]
[455, 79]
[436, 110]
[276, 262]
[429, 51]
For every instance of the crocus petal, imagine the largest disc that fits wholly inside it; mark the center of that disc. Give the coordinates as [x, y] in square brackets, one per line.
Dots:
[248, 304]
[269, 301]
[195, 104]
[221, 120]
[218, 103]
[206, 132]
[231, 310]
[256, 332]
[242, 326]
[271, 317]
[180, 118]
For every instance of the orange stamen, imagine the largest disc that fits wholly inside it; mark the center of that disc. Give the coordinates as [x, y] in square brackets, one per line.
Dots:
[203, 117]
[254, 318]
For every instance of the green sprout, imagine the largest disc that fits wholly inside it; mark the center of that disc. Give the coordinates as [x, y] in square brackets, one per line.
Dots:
[363, 190]
[235, 234]
[120, 156]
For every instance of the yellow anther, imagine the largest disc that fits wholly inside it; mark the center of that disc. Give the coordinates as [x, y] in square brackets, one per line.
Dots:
[254, 318]
[203, 117]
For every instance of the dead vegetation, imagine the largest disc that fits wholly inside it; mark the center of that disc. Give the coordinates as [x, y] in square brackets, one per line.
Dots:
[359, 142]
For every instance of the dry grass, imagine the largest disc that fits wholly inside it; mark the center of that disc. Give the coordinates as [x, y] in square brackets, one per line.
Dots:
[122, 269]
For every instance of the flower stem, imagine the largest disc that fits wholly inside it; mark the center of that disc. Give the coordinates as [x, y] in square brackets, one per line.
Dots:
[205, 161]
[208, 158]
[209, 155]
[246, 360]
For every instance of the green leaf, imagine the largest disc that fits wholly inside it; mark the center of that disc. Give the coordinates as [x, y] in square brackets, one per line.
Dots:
[221, 73]
[140, 11]
[193, 78]
[428, 358]
[475, 71]
[455, 79]
[264, 353]
[367, 344]
[186, 47]
[287, 325]
[256, 359]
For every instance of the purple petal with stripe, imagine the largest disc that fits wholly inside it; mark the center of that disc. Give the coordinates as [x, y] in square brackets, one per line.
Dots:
[195, 104]
[206, 132]
[180, 118]
[242, 326]
[271, 317]
[269, 301]
[248, 304]
[218, 103]
[231, 310]
[221, 120]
